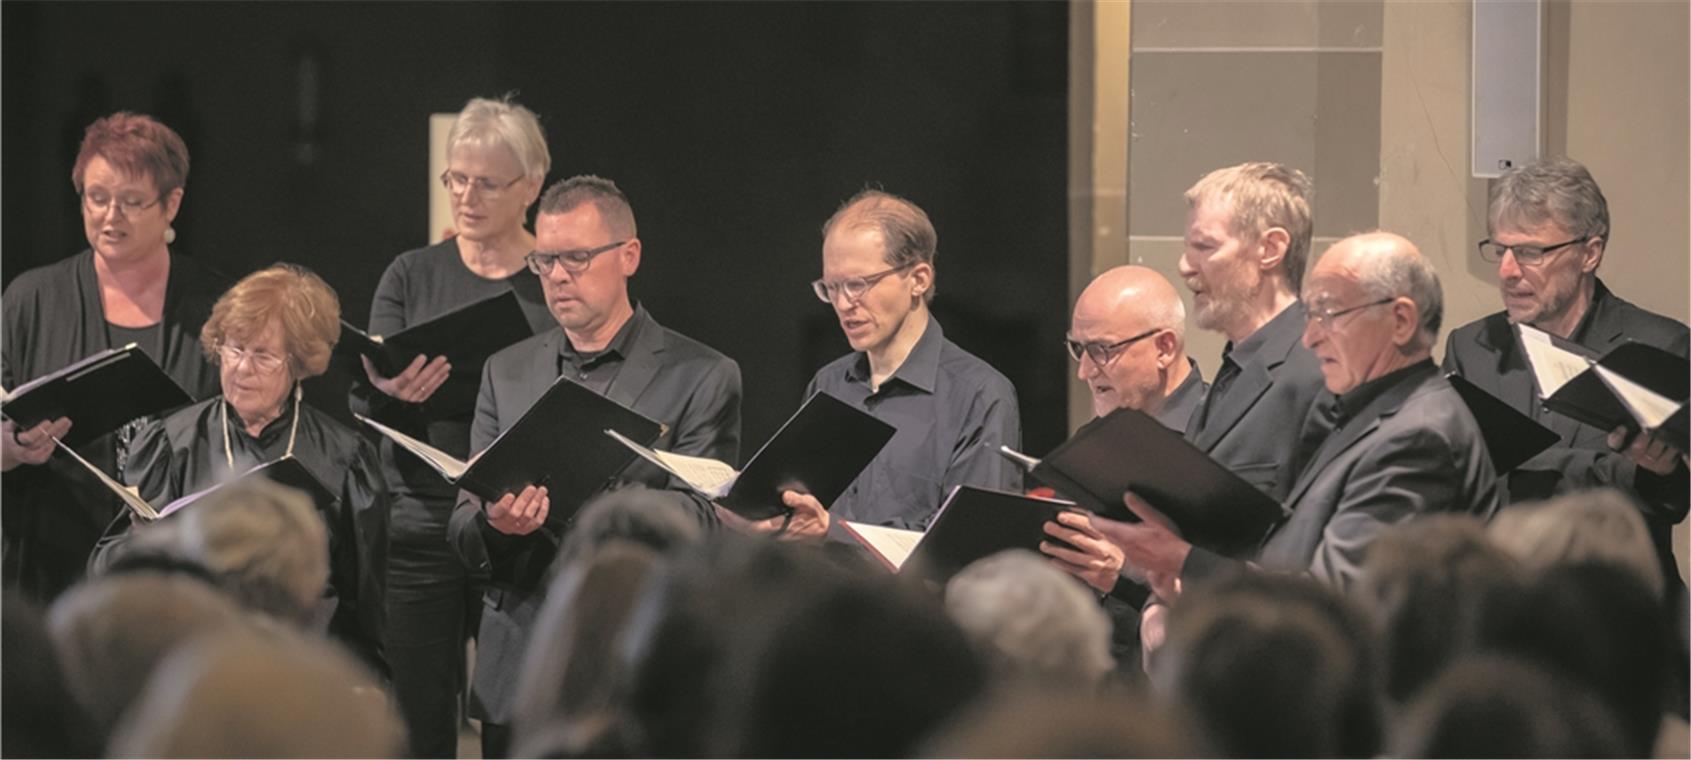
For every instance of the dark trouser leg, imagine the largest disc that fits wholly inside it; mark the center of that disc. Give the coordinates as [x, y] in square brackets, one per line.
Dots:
[495, 741]
[425, 646]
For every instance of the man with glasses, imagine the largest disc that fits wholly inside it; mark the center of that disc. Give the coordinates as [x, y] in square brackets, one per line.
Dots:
[586, 248]
[1549, 230]
[952, 411]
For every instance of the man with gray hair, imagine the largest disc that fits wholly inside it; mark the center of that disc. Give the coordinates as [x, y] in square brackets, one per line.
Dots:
[1549, 231]
[1031, 622]
[1403, 444]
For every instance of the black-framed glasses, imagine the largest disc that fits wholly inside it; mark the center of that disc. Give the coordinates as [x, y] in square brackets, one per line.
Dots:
[854, 288]
[1525, 255]
[575, 262]
[97, 202]
[1325, 316]
[458, 182]
[1104, 353]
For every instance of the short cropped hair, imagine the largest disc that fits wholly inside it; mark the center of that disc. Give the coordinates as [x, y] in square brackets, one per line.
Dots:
[1554, 189]
[906, 232]
[1264, 195]
[614, 209]
[136, 145]
[1031, 620]
[304, 305]
[1411, 276]
[485, 123]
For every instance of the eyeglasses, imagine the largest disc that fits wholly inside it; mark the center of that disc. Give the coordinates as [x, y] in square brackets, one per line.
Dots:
[1104, 353]
[456, 183]
[97, 202]
[854, 288]
[1324, 316]
[262, 361]
[575, 262]
[1525, 255]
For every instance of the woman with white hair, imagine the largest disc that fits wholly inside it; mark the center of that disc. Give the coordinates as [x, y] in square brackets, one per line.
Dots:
[496, 164]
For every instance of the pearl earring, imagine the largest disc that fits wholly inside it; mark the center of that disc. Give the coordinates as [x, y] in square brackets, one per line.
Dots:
[169, 235]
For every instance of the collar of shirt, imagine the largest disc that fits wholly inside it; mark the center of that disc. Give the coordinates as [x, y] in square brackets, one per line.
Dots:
[1353, 400]
[1599, 299]
[617, 349]
[276, 429]
[920, 369]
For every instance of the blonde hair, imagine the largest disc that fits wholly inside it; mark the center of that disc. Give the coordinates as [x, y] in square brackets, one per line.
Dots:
[485, 122]
[1264, 195]
[291, 295]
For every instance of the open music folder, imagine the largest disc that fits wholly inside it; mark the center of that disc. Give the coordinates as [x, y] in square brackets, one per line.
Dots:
[558, 443]
[287, 471]
[1510, 436]
[1637, 386]
[99, 394]
[819, 450]
[466, 336]
[972, 524]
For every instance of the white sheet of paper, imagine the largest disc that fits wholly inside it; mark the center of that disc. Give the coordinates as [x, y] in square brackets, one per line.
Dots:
[130, 497]
[711, 477]
[444, 463]
[1554, 366]
[1651, 409]
[893, 544]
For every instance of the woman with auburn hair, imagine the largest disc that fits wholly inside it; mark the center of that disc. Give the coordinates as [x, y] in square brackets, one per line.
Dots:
[275, 328]
[127, 287]
[496, 161]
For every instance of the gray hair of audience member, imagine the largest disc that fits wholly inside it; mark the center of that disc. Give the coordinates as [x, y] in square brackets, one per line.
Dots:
[615, 212]
[1031, 620]
[1599, 525]
[1038, 722]
[1493, 706]
[1272, 666]
[571, 676]
[1433, 587]
[277, 693]
[485, 122]
[1264, 195]
[908, 236]
[1554, 189]
[1403, 272]
[112, 631]
[262, 542]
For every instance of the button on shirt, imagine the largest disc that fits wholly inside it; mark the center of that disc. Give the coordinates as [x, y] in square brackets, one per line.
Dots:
[596, 370]
[951, 410]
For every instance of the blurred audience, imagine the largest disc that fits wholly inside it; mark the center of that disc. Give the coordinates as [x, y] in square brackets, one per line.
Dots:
[1031, 621]
[1046, 723]
[1500, 707]
[39, 716]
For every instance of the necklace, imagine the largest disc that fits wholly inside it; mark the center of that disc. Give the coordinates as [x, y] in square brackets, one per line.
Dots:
[293, 431]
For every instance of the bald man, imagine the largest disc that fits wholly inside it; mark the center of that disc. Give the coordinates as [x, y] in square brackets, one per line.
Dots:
[1128, 340]
[1403, 443]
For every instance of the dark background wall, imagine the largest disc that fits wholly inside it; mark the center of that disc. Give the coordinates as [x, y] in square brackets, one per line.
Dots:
[734, 128]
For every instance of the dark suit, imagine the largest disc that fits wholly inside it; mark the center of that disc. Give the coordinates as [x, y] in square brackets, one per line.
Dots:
[1412, 448]
[1255, 422]
[1487, 353]
[689, 387]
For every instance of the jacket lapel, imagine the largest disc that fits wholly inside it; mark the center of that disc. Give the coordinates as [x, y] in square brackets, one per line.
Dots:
[1252, 382]
[1366, 421]
[641, 366]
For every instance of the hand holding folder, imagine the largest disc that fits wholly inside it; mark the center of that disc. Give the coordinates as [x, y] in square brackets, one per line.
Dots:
[465, 337]
[1635, 386]
[972, 524]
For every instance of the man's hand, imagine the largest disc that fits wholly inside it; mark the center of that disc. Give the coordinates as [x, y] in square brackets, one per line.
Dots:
[1098, 562]
[808, 521]
[32, 446]
[1152, 547]
[414, 385]
[519, 514]
[1650, 452]
[1153, 631]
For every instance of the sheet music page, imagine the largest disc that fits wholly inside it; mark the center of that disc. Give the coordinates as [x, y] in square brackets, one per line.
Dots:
[893, 544]
[442, 462]
[130, 496]
[1648, 407]
[1554, 366]
[708, 476]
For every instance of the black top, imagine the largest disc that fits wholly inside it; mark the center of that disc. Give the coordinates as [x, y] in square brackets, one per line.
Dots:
[420, 285]
[952, 412]
[1180, 405]
[149, 339]
[54, 316]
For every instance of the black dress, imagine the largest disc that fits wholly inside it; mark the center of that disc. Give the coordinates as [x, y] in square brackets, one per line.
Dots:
[54, 513]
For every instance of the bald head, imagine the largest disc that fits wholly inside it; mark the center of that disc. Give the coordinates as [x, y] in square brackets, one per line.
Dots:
[1375, 305]
[1130, 303]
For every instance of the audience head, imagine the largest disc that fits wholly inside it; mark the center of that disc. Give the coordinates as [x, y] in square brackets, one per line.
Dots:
[652, 518]
[1432, 587]
[40, 715]
[1375, 306]
[1248, 229]
[1549, 227]
[1601, 525]
[1272, 666]
[1128, 339]
[1498, 707]
[1031, 621]
[877, 267]
[496, 162]
[1045, 723]
[130, 171]
[111, 632]
[586, 246]
[271, 694]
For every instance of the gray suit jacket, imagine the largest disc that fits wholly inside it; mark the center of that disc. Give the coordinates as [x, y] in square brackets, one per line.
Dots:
[1413, 449]
[689, 387]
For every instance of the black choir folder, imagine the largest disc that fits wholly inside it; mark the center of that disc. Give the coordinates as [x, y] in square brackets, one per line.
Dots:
[1127, 449]
[820, 450]
[557, 443]
[466, 336]
[99, 394]
[972, 524]
[287, 471]
[1510, 437]
[1636, 386]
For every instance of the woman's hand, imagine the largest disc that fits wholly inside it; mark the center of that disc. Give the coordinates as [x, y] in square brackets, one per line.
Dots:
[519, 514]
[32, 446]
[416, 383]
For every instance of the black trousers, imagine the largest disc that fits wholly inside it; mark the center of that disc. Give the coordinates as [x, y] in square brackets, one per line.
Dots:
[430, 613]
